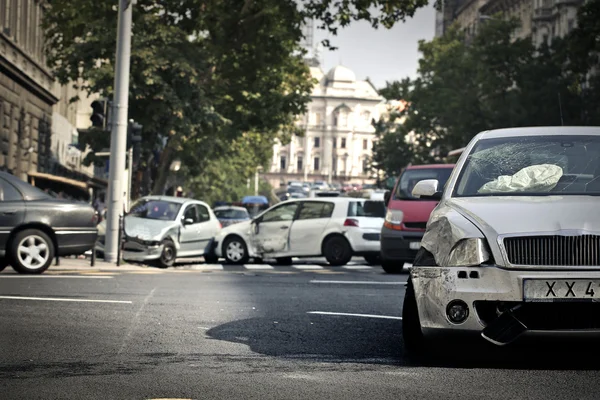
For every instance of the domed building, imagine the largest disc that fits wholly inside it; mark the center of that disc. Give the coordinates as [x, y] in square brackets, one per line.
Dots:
[338, 135]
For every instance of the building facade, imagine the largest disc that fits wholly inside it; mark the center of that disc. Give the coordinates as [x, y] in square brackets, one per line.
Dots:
[541, 20]
[38, 119]
[338, 134]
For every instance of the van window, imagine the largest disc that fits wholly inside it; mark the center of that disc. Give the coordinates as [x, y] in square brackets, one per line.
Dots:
[410, 177]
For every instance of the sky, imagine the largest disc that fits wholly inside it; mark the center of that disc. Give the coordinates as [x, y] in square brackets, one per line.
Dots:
[380, 54]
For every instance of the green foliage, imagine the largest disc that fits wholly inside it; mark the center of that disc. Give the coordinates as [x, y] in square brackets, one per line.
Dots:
[494, 80]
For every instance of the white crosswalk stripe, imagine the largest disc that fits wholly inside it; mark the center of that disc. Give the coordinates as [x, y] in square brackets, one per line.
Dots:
[307, 267]
[258, 266]
[357, 267]
[208, 267]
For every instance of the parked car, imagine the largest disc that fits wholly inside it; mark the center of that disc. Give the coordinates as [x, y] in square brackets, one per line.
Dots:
[407, 215]
[159, 229]
[513, 248]
[255, 204]
[336, 228]
[229, 215]
[36, 227]
[320, 185]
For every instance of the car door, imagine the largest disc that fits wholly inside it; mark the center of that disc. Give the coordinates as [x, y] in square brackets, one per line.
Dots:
[307, 229]
[189, 237]
[271, 230]
[208, 228]
[12, 211]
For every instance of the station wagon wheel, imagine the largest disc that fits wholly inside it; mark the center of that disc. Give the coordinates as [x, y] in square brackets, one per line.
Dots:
[235, 251]
[168, 255]
[337, 250]
[412, 334]
[31, 252]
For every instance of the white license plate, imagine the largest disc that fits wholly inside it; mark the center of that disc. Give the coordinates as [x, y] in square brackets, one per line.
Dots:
[561, 289]
[414, 245]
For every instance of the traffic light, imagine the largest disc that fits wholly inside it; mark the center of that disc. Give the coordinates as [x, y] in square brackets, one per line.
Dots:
[101, 114]
[134, 140]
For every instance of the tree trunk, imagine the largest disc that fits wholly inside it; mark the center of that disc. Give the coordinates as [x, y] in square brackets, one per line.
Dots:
[158, 187]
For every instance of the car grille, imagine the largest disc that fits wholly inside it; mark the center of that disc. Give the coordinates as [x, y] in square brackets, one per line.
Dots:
[554, 250]
[415, 225]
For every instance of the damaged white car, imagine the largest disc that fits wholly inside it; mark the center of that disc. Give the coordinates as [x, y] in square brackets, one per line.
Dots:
[513, 248]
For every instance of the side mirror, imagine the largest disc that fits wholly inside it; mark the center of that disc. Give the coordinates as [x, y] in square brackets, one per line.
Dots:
[188, 221]
[427, 190]
[386, 197]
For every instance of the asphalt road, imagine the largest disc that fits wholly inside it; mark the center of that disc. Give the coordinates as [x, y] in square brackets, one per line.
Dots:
[272, 333]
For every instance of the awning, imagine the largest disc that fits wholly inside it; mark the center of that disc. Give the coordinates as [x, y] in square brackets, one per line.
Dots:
[55, 178]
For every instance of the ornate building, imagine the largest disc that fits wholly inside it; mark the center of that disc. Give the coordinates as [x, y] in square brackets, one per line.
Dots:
[338, 135]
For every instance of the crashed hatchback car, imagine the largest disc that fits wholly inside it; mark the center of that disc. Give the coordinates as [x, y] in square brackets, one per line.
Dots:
[159, 229]
[513, 248]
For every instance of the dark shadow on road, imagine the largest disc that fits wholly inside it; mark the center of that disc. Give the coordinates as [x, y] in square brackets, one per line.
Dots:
[340, 339]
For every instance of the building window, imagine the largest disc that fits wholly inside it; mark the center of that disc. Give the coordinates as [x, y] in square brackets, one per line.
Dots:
[334, 142]
[317, 142]
[317, 119]
[342, 119]
[316, 163]
[343, 144]
[282, 162]
[299, 164]
[365, 144]
[365, 166]
[366, 117]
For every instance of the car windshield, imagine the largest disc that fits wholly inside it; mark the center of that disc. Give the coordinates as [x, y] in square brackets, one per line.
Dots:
[411, 177]
[532, 166]
[231, 214]
[155, 209]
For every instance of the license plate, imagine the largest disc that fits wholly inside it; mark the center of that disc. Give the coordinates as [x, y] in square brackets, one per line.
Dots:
[414, 245]
[561, 289]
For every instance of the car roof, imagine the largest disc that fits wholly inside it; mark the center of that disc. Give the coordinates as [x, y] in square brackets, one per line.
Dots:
[430, 166]
[173, 199]
[230, 208]
[329, 199]
[29, 192]
[540, 131]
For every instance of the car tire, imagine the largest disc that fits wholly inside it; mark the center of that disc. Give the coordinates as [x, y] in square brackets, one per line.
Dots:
[235, 251]
[392, 267]
[412, 334]
[284, 261]
[23, 244]
[372, 259]
[337, 251]
[168, 255]
[3, 264]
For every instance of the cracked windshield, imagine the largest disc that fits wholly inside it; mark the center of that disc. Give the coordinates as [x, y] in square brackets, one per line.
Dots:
[299, 199]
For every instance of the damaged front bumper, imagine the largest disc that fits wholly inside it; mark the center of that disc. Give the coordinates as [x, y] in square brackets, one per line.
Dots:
[497, 306]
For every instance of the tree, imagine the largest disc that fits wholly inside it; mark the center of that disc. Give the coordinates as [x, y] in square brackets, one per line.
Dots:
[203, 72]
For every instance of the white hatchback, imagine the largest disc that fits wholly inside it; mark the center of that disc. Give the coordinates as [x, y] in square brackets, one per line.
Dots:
[337, 228]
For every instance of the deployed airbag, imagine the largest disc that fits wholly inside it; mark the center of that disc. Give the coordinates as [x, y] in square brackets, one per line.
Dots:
[535, 178]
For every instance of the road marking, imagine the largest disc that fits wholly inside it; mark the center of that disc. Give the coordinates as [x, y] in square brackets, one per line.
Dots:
[57, 276]
[357, 267]
[307, 267]
[257, 266]
[68, 300]
[358, 282]
[208, 267]
[354, 315]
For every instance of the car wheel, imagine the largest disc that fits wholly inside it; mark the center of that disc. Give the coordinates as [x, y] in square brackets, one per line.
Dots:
[392, 267]
[412, 335]
[3, 264]
[372, 259]
[31, 252]
[235, 251]
[284, 261]
[337, 251]
[168, 255]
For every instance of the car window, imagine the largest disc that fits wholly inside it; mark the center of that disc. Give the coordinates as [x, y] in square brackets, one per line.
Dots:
[231, 213]
[368, 208]
[203, 213]
[411, 177]
[191, 213]
[155, 209]
[285, 212]
[313, 209]
[8, 192]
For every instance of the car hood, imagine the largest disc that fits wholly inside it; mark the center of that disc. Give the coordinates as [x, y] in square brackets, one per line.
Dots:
[147, 229]
[536, 214]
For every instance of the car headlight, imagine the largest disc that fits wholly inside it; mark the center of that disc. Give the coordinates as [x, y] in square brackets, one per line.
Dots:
[468, 253]
[393, 219]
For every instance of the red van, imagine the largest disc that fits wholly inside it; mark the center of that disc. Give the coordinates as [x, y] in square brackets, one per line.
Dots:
[407, 216]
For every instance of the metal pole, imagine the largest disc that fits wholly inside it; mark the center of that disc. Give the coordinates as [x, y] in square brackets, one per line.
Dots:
[129, 176]
[118, 138]
[256, 182]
